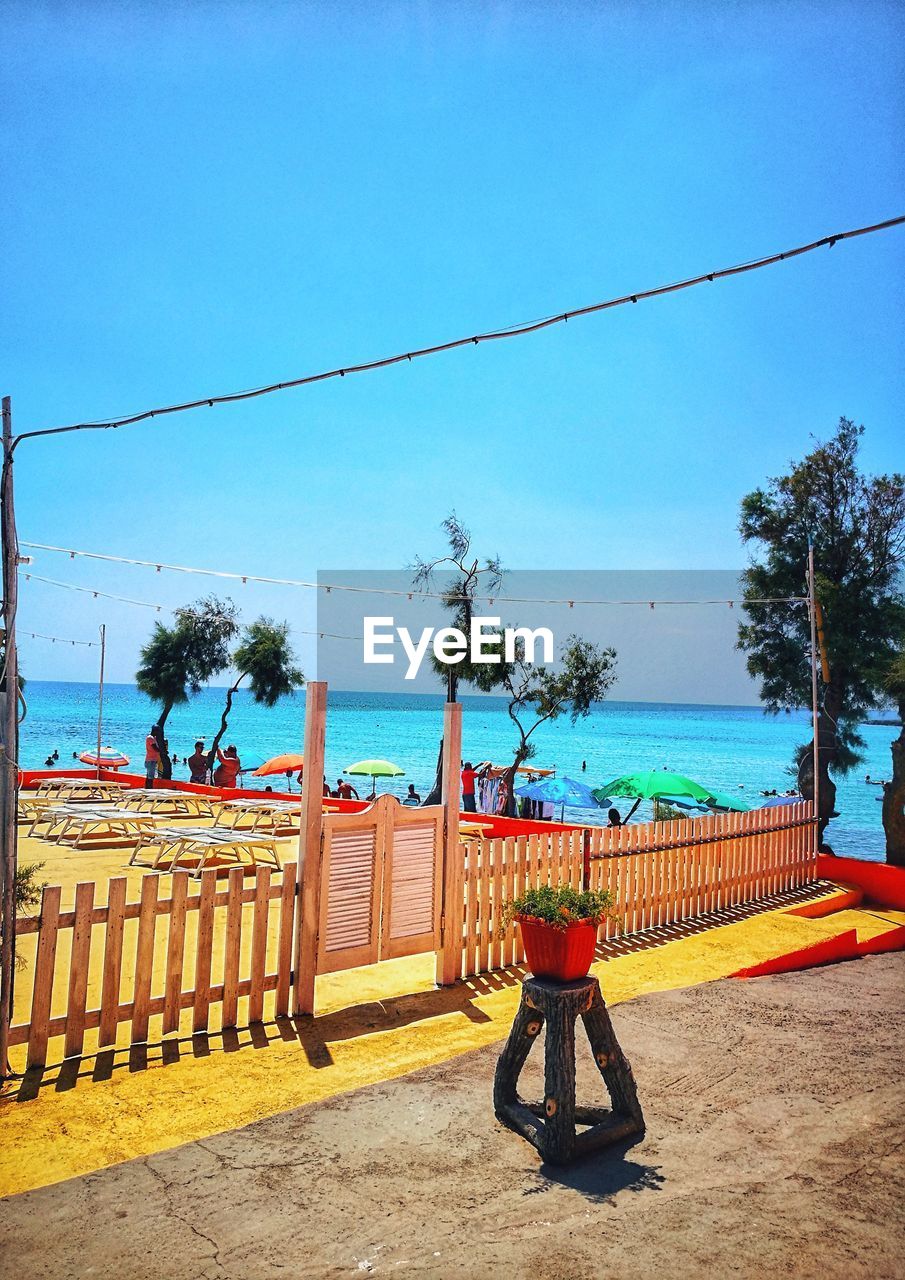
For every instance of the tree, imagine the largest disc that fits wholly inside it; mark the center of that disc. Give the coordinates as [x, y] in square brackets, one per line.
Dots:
[585, 674]
[459, 592]
[857, 525]
[894, 790]
[179, 660]
[265, 658]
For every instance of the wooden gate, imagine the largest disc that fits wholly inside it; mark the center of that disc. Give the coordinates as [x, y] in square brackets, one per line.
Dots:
[381, 882]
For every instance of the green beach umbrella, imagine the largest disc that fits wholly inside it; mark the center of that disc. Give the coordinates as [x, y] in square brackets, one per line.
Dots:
[651, 785]
[375, 769]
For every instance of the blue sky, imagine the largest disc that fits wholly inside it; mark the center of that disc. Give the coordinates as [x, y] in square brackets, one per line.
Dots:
[200, 197]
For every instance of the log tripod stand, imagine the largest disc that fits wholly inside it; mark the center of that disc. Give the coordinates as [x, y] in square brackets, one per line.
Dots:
[550, 1125]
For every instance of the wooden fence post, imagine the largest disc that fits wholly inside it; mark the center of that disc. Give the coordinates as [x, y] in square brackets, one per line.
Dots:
[309, 860]
[449, 957]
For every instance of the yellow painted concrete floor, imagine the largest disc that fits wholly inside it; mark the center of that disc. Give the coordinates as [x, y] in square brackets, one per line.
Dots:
[373, 1024]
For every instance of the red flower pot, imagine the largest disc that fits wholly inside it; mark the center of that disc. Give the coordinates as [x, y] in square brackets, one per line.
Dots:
[563, 954]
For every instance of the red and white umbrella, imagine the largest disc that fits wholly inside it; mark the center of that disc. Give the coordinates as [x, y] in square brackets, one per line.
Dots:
[109, 758]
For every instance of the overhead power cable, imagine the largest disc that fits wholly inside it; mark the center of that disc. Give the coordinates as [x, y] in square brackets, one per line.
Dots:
[491, 335]
[413, 593]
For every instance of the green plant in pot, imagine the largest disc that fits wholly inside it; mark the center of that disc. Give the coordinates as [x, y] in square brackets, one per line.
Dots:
[559, 928]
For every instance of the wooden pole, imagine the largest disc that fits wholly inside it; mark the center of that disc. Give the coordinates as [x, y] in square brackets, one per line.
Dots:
[308, 874]
[815, 713]
[449, 957]
[100, 699]
[9, 743]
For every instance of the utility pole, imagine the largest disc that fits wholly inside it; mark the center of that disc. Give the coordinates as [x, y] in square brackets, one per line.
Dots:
[100, 698]
[9, 743]
[815, 712]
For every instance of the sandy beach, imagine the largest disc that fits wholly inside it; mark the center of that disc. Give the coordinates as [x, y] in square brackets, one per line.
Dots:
[773, 1147]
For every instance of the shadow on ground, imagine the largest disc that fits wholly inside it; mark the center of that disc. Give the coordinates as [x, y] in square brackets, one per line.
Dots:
[314, 1035]
[600, 1175]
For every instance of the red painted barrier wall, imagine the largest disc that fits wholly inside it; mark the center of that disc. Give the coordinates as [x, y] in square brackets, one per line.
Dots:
[845, 946]
[495, 827]
[880, 882]
[31, 777]
[498, 827]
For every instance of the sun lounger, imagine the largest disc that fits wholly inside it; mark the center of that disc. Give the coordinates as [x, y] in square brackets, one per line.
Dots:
[77, 823]
[173, 803]
[25, 810]
[52, 816]
[174, 844]
[79, 789]
[260, 815]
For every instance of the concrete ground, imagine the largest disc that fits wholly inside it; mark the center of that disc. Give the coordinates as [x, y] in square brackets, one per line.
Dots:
[773, 1148]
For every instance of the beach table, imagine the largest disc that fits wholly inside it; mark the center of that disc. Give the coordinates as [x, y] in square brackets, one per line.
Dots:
[205, 844]
[77, 822]
[174, 804]
[265, 815]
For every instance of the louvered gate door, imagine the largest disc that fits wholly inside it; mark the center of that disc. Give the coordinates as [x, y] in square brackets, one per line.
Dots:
[380, 892]
[349, 933]
[411, 895]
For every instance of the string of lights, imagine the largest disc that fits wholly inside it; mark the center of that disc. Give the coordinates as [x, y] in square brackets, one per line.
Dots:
[93, 591]
[160, 566]
[491, 335]
[145, 604]
[38, 635]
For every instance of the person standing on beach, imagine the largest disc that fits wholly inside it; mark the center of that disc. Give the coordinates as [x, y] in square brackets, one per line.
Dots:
[469, 773]
[197, 763]
[152, 756]
[345, 790]
[228, 769]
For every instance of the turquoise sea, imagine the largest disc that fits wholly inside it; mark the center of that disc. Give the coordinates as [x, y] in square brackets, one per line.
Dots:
[737, 749]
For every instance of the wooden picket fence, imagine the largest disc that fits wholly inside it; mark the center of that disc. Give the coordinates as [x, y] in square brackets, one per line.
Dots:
[497, 871]
[658, 873]
[213, 951]
[100, 968]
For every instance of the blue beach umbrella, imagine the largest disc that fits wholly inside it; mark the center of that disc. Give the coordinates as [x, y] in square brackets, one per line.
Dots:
[683, 802]
[251, 762]
[722, 802]
[561, 791]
